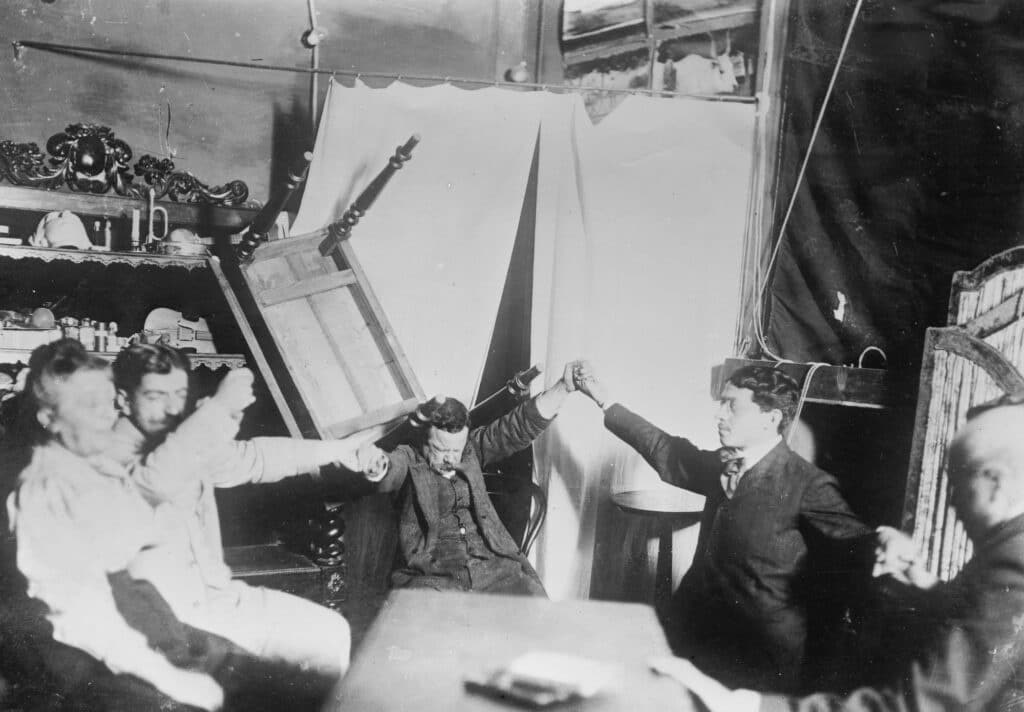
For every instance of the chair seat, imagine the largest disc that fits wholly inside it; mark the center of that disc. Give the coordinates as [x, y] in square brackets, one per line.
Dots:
[274, 566]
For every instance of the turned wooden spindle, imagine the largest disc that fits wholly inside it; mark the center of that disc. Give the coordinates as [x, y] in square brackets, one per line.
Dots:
[341, 229]
[266, 217]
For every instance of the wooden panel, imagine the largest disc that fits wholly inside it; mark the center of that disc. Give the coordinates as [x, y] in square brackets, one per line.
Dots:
[255, 348]
[959, 371]
[976, 291]
[331, 332]
[311, 286]
[203, 217]
[831, 385]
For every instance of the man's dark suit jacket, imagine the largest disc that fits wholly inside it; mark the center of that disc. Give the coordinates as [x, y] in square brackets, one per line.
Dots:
[974, 657]
[410, 476]
[739, 612]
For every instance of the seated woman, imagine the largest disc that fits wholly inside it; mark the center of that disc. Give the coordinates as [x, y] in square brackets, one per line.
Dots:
[450, 537]
[78, 521]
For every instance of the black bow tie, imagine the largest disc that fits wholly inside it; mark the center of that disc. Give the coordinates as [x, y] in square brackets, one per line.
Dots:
[732, 460]
[732, 467]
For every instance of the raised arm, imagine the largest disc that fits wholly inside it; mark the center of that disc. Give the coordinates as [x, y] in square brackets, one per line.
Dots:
[68, 541]
[273, 459]
[676, 460]
[515, 430]
[174, 469]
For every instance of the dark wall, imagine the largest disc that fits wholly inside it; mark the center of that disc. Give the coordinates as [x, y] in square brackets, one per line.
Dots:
[222, 123]
[918, 170]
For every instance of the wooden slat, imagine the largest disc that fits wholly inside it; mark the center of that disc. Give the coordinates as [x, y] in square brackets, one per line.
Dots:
[115, 206]
[337, 346]
[306, 287]
[289, 245]
[832, 385]
[971, 280]
[403, 369]
[997, 318]
[367, 420]
[958, 372]
[255, 349]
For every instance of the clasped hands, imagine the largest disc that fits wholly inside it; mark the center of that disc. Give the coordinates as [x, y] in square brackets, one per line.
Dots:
[584, 380]
[896, 555]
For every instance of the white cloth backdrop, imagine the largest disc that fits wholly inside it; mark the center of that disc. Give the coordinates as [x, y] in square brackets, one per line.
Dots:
[639, 228]
[436, 244]
[638, 269]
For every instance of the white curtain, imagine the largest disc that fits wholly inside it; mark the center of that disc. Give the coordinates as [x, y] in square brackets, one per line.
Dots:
[637, 260]
[436, 244]
[638, 256]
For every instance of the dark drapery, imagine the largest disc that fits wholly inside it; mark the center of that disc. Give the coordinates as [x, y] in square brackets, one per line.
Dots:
[917, 171]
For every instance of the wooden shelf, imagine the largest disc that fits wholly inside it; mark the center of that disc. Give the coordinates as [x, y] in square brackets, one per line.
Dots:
[586, 49]
[704, 21]
[114, 206]
[834, 385]
[210, 361]
[134, 259]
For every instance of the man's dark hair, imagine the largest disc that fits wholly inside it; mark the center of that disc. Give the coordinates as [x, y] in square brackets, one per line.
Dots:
[448, 414]
[135, 361]
[772, 390]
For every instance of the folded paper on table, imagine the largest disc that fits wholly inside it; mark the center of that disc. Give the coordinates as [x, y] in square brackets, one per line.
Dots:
[541, 679]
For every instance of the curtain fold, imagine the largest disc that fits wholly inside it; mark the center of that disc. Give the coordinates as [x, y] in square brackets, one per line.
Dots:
[638, 235]
[644, 243]
[436, 244]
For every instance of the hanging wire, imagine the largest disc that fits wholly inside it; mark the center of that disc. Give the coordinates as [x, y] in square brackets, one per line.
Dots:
[804, 390]
[762, 288]
[314, 64]
[755, 189]
[19, 45]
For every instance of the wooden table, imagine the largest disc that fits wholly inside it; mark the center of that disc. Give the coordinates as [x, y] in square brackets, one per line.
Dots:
[423, 644]
[669, 507]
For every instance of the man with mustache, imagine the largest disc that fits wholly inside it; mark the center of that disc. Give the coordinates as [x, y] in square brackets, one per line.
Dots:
[739, 611]
[179, 461]
[450, 536]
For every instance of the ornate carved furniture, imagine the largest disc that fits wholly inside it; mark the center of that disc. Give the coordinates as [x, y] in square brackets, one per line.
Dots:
[88, 158]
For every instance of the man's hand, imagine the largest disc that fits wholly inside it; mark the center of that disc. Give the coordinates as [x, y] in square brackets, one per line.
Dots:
[197, 689]
[586, 381]
[897, 556]
[343, 452]
[372, 462]
[569, 375]
[715, 696]
[234, 393]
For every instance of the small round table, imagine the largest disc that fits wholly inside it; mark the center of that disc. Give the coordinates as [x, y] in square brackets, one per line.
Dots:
[670, 508]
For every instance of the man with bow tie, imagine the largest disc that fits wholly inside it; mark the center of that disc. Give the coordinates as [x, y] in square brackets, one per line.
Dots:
[740, 612]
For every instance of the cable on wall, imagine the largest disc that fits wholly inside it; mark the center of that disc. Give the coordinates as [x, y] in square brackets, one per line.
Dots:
[762, 290]
[21, 45]
[311, 39]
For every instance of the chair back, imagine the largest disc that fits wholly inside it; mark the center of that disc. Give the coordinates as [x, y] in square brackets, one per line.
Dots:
[521, 504]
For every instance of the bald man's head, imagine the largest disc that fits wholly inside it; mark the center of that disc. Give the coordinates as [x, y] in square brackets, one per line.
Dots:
[986, 469]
